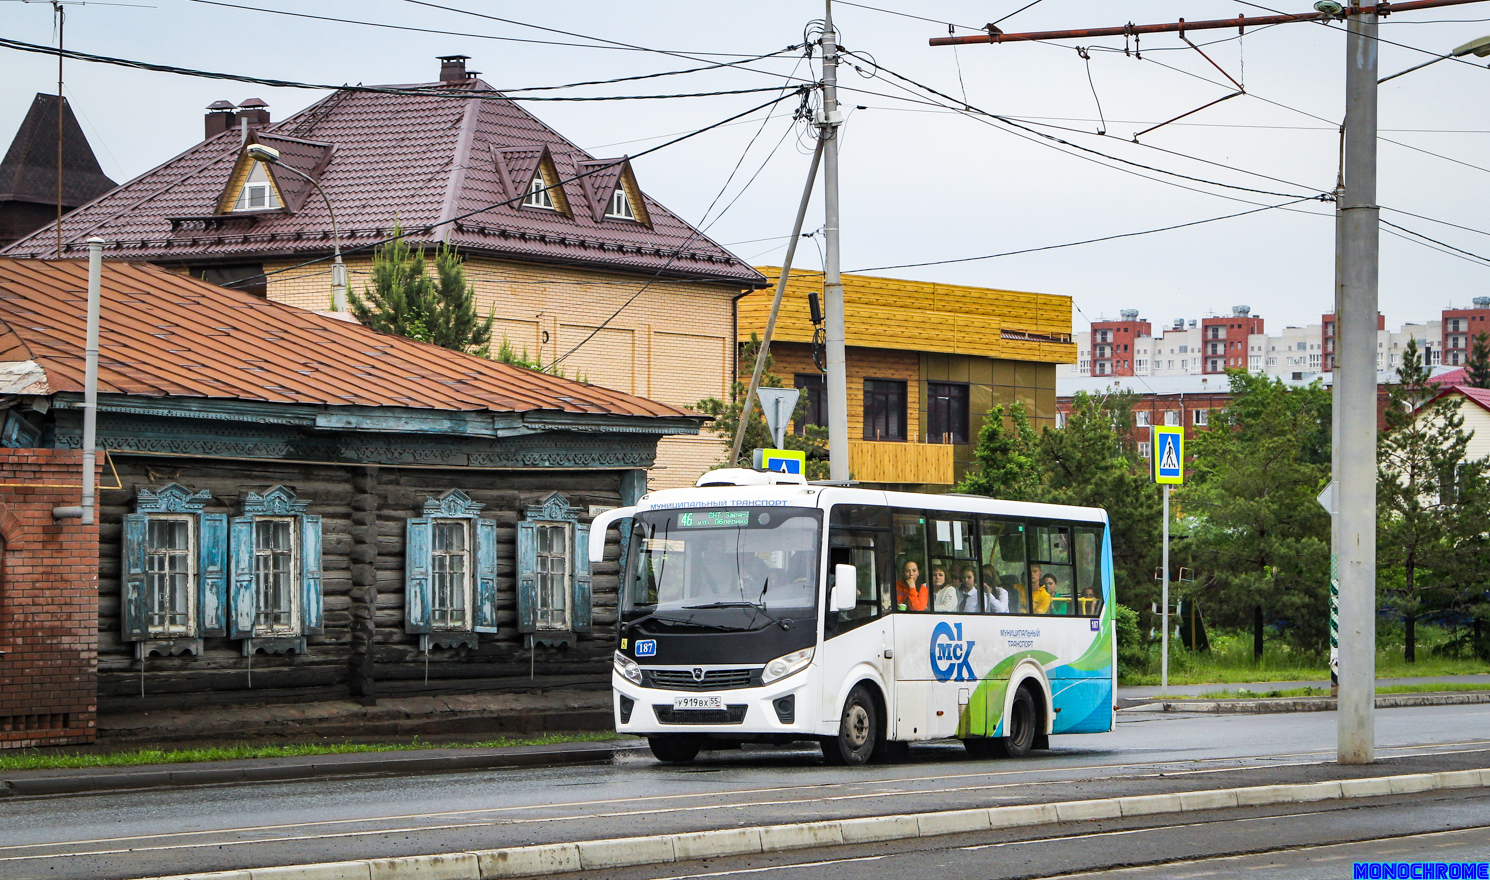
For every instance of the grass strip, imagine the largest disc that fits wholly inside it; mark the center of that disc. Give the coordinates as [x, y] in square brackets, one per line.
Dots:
[1244, 694]
[38, 759]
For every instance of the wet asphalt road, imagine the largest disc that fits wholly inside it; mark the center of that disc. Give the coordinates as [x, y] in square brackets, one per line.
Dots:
[162, 831]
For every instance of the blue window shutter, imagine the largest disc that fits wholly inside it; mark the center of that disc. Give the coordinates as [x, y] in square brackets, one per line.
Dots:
[486, 576]
[416, 575]
[310, 573]
[213, 559]
[527, 581]
[581, 578]
[241, 597]
[134, 606]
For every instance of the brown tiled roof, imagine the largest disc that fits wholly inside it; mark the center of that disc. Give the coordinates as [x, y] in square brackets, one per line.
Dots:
[411, 159]
[169, 335]
[29, 170]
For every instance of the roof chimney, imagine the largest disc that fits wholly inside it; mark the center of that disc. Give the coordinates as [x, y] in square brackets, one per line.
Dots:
[255, 112]
[453, 68]
[219, 118]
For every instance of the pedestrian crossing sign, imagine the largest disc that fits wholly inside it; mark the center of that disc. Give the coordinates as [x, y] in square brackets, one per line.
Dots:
[1168, 451]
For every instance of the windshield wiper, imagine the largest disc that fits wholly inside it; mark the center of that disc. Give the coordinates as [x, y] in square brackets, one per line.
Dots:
[757, 608]
[682, 621]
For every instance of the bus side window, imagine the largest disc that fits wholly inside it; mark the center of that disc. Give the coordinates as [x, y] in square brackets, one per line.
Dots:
[911, 568]
[1004, 579]
[869, 553]
[1052, 577]
[1089, 598]
[952, 551]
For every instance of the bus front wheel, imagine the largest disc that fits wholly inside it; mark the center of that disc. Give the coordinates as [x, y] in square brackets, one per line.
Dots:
[1020, 726]
[675, 748]
[858, 731]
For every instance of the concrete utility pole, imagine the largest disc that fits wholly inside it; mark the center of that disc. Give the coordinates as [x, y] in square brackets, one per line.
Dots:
[835, 331]
[1355, 413]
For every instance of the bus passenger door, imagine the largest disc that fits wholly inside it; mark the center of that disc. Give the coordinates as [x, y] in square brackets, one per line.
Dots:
[858, 643]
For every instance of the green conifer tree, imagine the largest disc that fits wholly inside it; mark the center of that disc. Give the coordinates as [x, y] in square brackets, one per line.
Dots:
[1478, 369]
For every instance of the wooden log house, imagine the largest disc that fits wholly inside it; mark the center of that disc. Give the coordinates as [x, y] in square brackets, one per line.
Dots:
[294, 507]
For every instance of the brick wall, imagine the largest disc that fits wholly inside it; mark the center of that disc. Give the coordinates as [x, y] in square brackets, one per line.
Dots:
[48, 603]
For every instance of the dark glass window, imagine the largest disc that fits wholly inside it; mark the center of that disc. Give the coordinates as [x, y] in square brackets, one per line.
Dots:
[812, 387]
[946, 412]
[884, 409]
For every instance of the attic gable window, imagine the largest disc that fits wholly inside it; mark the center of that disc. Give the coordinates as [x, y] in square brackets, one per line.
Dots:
[258, 193]
[620, 205]
[538, 194]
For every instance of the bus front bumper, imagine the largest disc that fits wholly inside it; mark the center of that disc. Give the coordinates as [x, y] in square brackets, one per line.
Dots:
[781, 707]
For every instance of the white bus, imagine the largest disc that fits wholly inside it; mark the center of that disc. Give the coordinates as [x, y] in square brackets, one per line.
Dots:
[760, 608]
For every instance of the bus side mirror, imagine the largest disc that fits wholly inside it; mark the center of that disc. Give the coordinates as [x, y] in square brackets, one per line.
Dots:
[845, 588]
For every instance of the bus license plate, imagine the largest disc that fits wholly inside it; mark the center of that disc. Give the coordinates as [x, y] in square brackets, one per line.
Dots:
[712, 701]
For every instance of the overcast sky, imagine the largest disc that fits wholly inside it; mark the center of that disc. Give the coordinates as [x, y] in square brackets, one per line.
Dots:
[920, 182]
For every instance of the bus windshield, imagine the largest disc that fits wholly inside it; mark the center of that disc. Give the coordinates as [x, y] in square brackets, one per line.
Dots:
[732, 569]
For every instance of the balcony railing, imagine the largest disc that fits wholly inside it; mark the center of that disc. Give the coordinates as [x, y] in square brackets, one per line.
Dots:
[879, 462]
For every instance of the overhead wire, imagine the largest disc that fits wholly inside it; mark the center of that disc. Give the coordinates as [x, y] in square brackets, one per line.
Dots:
[977, 113]
[1441, 244]
[698, 230]
[561, 32]
[426, 91]
[422, 30]
[1086, 241]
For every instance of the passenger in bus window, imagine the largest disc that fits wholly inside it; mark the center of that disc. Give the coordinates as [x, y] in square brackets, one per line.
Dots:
[1034, 577]
[910, 593]
[970, 599]
[1047, 589]
[1017, 599]
[995, 594]
[938, 580]
[1090, 604]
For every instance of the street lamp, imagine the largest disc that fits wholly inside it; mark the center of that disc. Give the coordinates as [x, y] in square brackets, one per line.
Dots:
[1478, 48]
[270, 156]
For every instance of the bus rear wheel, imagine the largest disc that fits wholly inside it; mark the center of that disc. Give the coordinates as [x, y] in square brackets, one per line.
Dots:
[858, 731]
[678, 748]
[1019, 726]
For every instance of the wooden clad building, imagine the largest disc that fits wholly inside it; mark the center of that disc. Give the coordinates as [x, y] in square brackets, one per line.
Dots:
[926, 362]
[294, 507]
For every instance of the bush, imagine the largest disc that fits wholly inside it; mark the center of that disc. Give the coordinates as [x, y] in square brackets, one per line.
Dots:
[1132, 654]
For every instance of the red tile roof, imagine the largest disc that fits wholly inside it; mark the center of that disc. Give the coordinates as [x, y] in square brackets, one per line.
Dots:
[412, 159]
[1480, 396]
[168, 335]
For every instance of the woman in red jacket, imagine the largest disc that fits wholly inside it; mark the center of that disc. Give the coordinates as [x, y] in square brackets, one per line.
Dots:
[910, 595]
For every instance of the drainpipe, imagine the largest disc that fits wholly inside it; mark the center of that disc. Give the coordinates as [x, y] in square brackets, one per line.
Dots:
[90, 389]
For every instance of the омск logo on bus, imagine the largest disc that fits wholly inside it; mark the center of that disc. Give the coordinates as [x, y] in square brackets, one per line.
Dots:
[951, 657]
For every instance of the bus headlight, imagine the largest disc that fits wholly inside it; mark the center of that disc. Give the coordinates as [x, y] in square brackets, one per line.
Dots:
[785, 665]
[627, 667]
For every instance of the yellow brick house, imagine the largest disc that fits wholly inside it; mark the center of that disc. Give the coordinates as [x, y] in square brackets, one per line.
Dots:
[568, 252]
[926, 362]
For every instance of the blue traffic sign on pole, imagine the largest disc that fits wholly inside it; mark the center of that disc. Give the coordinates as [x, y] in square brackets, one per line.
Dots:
[1168, 450]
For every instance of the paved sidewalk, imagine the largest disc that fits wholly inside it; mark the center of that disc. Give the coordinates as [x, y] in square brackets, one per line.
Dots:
[398, 763]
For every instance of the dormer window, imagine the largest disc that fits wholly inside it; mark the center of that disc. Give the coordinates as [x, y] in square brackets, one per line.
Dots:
[258, 193]
[538, 193]
[620, 205]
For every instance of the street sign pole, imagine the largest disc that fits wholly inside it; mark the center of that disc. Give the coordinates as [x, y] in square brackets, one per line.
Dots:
[1164, 641]
[1167, 451]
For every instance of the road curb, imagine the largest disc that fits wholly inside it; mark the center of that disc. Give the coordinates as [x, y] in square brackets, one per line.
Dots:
[1307, 704]
[376, 764]
[589, 855]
